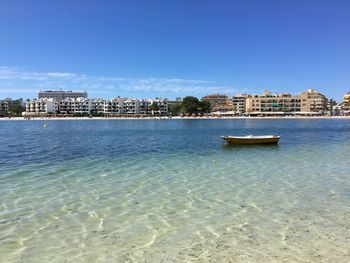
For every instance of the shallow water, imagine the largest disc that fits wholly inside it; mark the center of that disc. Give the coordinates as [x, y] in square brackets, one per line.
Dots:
[171, 191]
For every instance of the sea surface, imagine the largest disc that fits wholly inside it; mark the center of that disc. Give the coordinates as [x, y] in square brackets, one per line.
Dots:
[172, 191]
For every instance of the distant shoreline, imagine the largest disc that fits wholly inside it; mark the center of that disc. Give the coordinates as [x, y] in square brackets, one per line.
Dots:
[173, 118]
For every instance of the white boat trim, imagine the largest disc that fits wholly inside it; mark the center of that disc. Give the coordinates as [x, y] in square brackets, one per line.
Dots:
[248, 137]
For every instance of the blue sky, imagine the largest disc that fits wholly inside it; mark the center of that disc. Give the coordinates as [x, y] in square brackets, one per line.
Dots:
[174, 48]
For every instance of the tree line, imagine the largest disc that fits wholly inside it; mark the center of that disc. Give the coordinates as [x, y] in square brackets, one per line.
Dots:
[190, 106]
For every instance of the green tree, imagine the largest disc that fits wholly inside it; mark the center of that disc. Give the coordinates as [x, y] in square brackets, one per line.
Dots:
[204, 106]
[190, 105]
[17, 110]
[175, 109]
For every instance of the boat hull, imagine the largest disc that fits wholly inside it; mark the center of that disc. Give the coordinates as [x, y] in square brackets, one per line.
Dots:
[250, 140]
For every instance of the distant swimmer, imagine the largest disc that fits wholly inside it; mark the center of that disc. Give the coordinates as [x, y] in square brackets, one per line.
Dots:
[45, 125]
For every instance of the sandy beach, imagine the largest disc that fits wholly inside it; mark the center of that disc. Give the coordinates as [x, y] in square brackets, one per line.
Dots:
[172, 118]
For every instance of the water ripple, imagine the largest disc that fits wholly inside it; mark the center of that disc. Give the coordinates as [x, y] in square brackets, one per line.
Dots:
[170, 191]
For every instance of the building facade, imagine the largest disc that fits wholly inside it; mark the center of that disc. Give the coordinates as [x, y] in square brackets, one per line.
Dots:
[313, 101]
[4, 108]
[41, 107]
[113, 106]
[310, 102]
[218, 101]
[84, 106]
[274, 103]
[15, 103]
[346, 102]
[78, 106]
[239, 103]
[147, 107]
[59, 95]
[131, 106]
[174, 106]
[97, 106]
[10, 107]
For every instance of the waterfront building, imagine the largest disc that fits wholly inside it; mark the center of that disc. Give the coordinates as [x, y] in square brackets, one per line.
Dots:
[218, 101]
[59, 95]
[41, 107]
[131, 106]
[10, 107]
[12, 104]
[272, 103]
[238, 103]
[98, 106]
[337, 110]
[346, 102]
[146, 106]
[85, 106]
[4, 108]
[174, 106]
[313, 101]
[75, 106]
[113, 106]
[15, 107]
[163, 106]
[310, 102]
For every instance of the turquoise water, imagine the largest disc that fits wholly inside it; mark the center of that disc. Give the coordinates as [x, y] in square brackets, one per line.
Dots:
[171, 191]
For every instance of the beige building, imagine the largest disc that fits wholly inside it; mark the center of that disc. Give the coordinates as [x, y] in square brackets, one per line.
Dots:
[346, 102]
[308, 102]
[313, 101]
[272, 103]
[217, 101]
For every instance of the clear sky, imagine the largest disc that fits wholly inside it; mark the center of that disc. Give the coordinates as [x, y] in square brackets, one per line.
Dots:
[174, 48]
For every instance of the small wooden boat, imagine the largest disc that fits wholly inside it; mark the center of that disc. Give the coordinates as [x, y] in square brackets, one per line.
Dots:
[250, 139]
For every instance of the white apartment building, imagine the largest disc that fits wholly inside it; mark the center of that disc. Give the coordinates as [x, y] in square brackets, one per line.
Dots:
[97, 106]
[84, 106]
[161, 105]
[114, 106]
[131, 106]
[78, 106]
[41, 107]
